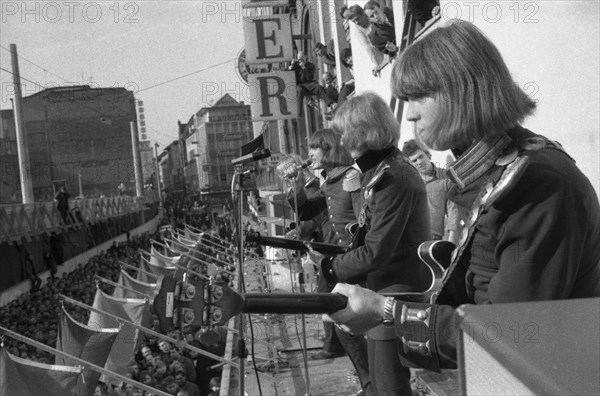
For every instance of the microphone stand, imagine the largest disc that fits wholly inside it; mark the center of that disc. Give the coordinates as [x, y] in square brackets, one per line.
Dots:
[237, 192]
[302, 289]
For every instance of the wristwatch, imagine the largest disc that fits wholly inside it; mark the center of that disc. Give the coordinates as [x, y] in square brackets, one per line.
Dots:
[388, 311]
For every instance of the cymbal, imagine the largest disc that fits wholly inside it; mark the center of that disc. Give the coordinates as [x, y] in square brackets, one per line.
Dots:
[276, 221]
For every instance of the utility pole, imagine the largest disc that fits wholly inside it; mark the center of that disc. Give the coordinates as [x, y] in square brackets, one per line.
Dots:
[137, 163]
[160, 197]
[22, 148]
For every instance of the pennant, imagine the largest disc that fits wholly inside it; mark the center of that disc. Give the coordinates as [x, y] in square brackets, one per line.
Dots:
[87, 343]
[175, 248]
[191, 234]
[25, 377]
[187, 242]
[168, 272]
[135, 310]
[157, 258]
[147, 290]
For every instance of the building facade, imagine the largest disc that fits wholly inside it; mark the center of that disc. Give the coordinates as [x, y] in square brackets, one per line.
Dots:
[213, 138]
[78, 136]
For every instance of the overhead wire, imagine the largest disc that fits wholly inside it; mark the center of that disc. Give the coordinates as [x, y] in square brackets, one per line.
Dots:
[36, 65]
[137, 92]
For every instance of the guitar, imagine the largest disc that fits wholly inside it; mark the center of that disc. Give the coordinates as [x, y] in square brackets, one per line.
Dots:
[213, 303]
[254, 238]
[181, 304]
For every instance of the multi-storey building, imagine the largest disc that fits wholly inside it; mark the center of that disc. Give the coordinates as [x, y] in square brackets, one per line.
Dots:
[78, 136]
[213, 138]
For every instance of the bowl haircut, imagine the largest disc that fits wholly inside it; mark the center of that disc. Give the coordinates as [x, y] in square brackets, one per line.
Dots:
[334, 154]
[367, 123]
[462, 69]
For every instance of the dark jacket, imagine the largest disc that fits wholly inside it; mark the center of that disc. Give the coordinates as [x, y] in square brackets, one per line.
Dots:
[397, 221]
[537, 238]
[380, 35]
[304, 75]
[340, 198]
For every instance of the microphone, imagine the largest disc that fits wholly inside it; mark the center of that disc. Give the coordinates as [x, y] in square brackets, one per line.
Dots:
[304, 165]
[255, 156]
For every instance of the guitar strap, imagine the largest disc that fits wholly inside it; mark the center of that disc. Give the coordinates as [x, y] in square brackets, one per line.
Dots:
[363, 219]
[509, 167]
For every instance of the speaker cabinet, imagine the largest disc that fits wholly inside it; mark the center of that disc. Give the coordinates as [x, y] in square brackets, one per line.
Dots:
[533, 348]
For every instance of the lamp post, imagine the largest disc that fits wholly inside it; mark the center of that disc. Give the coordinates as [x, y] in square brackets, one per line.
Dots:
[160, 197]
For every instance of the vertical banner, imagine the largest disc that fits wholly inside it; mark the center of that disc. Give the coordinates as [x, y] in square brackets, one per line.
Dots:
[273, 96]
[268, 39]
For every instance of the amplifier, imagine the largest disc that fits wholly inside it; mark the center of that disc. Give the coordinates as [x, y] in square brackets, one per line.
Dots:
[532, 348]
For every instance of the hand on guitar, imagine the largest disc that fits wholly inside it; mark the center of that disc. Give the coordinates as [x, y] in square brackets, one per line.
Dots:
[365, 309]
[315, 256]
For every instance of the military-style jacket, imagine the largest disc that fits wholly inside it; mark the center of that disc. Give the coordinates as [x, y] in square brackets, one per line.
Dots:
[533, 235]
[395, 215]
[339, 198]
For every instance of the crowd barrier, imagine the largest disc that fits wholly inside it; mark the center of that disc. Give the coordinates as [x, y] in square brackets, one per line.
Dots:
[35, 238]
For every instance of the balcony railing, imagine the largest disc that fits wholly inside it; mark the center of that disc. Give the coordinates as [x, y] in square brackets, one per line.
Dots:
[29, 220]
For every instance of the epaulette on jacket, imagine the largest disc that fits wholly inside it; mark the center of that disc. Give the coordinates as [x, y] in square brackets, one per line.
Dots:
[351, 180]
[516, 163]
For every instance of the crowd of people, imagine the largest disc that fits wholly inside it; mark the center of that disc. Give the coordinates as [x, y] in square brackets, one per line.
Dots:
[157, 363]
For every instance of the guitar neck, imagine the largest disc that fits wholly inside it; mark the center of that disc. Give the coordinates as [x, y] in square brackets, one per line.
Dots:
[290, 303]
[293, 244]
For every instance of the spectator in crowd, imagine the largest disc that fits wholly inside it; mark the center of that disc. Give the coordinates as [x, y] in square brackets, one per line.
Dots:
[382, 35]
[444, 214]
[170, 385]
[186, 384]
[374, 39]
[330, 87]
[215, 386]
[306, 84]
[62, 203]
[326, 53]
[378, 15]
[423, 10]
[345, 14]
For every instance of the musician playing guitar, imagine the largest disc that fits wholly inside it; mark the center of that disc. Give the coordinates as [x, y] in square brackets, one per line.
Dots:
[534, 229]
[340, 200]
[393, 220]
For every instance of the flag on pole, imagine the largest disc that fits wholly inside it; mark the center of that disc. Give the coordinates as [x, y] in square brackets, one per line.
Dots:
[157, 258]
[167, 272]
[87, 343]
[258, 143]
[25, 377]
[135, 310]
[148, 290]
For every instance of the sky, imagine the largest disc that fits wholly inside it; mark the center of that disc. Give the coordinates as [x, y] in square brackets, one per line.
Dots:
[139, 45]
